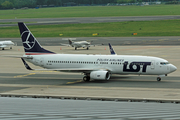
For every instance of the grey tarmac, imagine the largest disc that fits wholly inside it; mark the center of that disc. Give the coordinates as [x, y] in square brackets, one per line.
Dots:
[115, 41]
[77, 20]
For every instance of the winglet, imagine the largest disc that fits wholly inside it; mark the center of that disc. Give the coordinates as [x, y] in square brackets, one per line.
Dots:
[111, 50]
[26, 65]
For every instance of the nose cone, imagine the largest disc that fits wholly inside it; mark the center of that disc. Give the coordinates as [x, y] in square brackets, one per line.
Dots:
[173, 68]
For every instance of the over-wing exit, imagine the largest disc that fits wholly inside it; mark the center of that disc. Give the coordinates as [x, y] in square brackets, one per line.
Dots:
[98, 67]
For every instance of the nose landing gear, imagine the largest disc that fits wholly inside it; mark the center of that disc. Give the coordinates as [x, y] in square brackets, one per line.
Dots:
[159, 77]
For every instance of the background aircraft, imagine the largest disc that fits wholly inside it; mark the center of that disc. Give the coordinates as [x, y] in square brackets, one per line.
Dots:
[98, 67]
[79, 44]
[6, 44]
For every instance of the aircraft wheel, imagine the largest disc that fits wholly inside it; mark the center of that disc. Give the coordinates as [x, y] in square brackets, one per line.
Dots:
[87, 48]
[75, 48]
[2, 48]
[86, 78]
[158, 79]
[10, 47]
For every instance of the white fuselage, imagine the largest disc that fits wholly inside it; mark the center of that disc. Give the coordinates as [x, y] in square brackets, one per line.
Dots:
[80, 44]
[116, 64]
[5, 44]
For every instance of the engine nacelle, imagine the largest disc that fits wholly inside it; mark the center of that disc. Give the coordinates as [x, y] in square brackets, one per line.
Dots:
[100, 75]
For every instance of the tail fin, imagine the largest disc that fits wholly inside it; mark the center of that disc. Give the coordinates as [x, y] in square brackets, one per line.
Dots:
[70, 41]
[31, 45]
[111, 50]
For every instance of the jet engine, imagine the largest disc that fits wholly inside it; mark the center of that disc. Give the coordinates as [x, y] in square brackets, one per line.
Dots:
[100, 75]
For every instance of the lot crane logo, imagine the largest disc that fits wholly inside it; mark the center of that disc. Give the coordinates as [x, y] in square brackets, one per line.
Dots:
[29, 40]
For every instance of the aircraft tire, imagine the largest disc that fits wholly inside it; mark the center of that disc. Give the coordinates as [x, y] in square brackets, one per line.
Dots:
[158, 79]
[2, 48]
[87, 48]
[10, 47]
[75, 48]
[86, 78]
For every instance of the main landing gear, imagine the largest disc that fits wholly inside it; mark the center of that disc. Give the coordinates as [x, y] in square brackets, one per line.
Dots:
[86, 78]
[87, 48]
[158, 79]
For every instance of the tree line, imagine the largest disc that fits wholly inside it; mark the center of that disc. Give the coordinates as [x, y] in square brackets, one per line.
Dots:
[9, 4]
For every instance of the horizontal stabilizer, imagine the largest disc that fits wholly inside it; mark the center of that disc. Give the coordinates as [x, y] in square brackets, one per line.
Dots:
[12, 56]
[26, 65]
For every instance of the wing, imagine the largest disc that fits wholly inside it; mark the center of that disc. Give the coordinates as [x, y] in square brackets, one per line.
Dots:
[96, 45]
[65, 44]
[85, 46]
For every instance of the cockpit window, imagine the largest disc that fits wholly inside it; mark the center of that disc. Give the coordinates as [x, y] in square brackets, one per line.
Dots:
[164, 63]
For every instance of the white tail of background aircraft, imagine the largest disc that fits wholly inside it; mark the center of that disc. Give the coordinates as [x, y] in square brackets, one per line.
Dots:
[98, 67]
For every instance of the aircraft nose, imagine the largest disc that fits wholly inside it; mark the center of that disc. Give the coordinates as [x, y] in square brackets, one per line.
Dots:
[173, 68]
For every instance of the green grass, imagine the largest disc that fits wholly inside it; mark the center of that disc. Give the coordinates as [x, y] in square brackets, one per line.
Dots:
[91, 11]
[115, 29]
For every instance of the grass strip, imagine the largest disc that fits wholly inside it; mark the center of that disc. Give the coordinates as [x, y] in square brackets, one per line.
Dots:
[91, 11]
[115, 29]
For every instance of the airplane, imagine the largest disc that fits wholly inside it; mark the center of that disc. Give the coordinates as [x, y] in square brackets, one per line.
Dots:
[6, 44]
[97, 67]
[79, 44]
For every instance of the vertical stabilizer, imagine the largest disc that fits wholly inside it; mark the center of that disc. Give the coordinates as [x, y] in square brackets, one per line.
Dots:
[31, 45]
[70, 42]
[111, 50]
